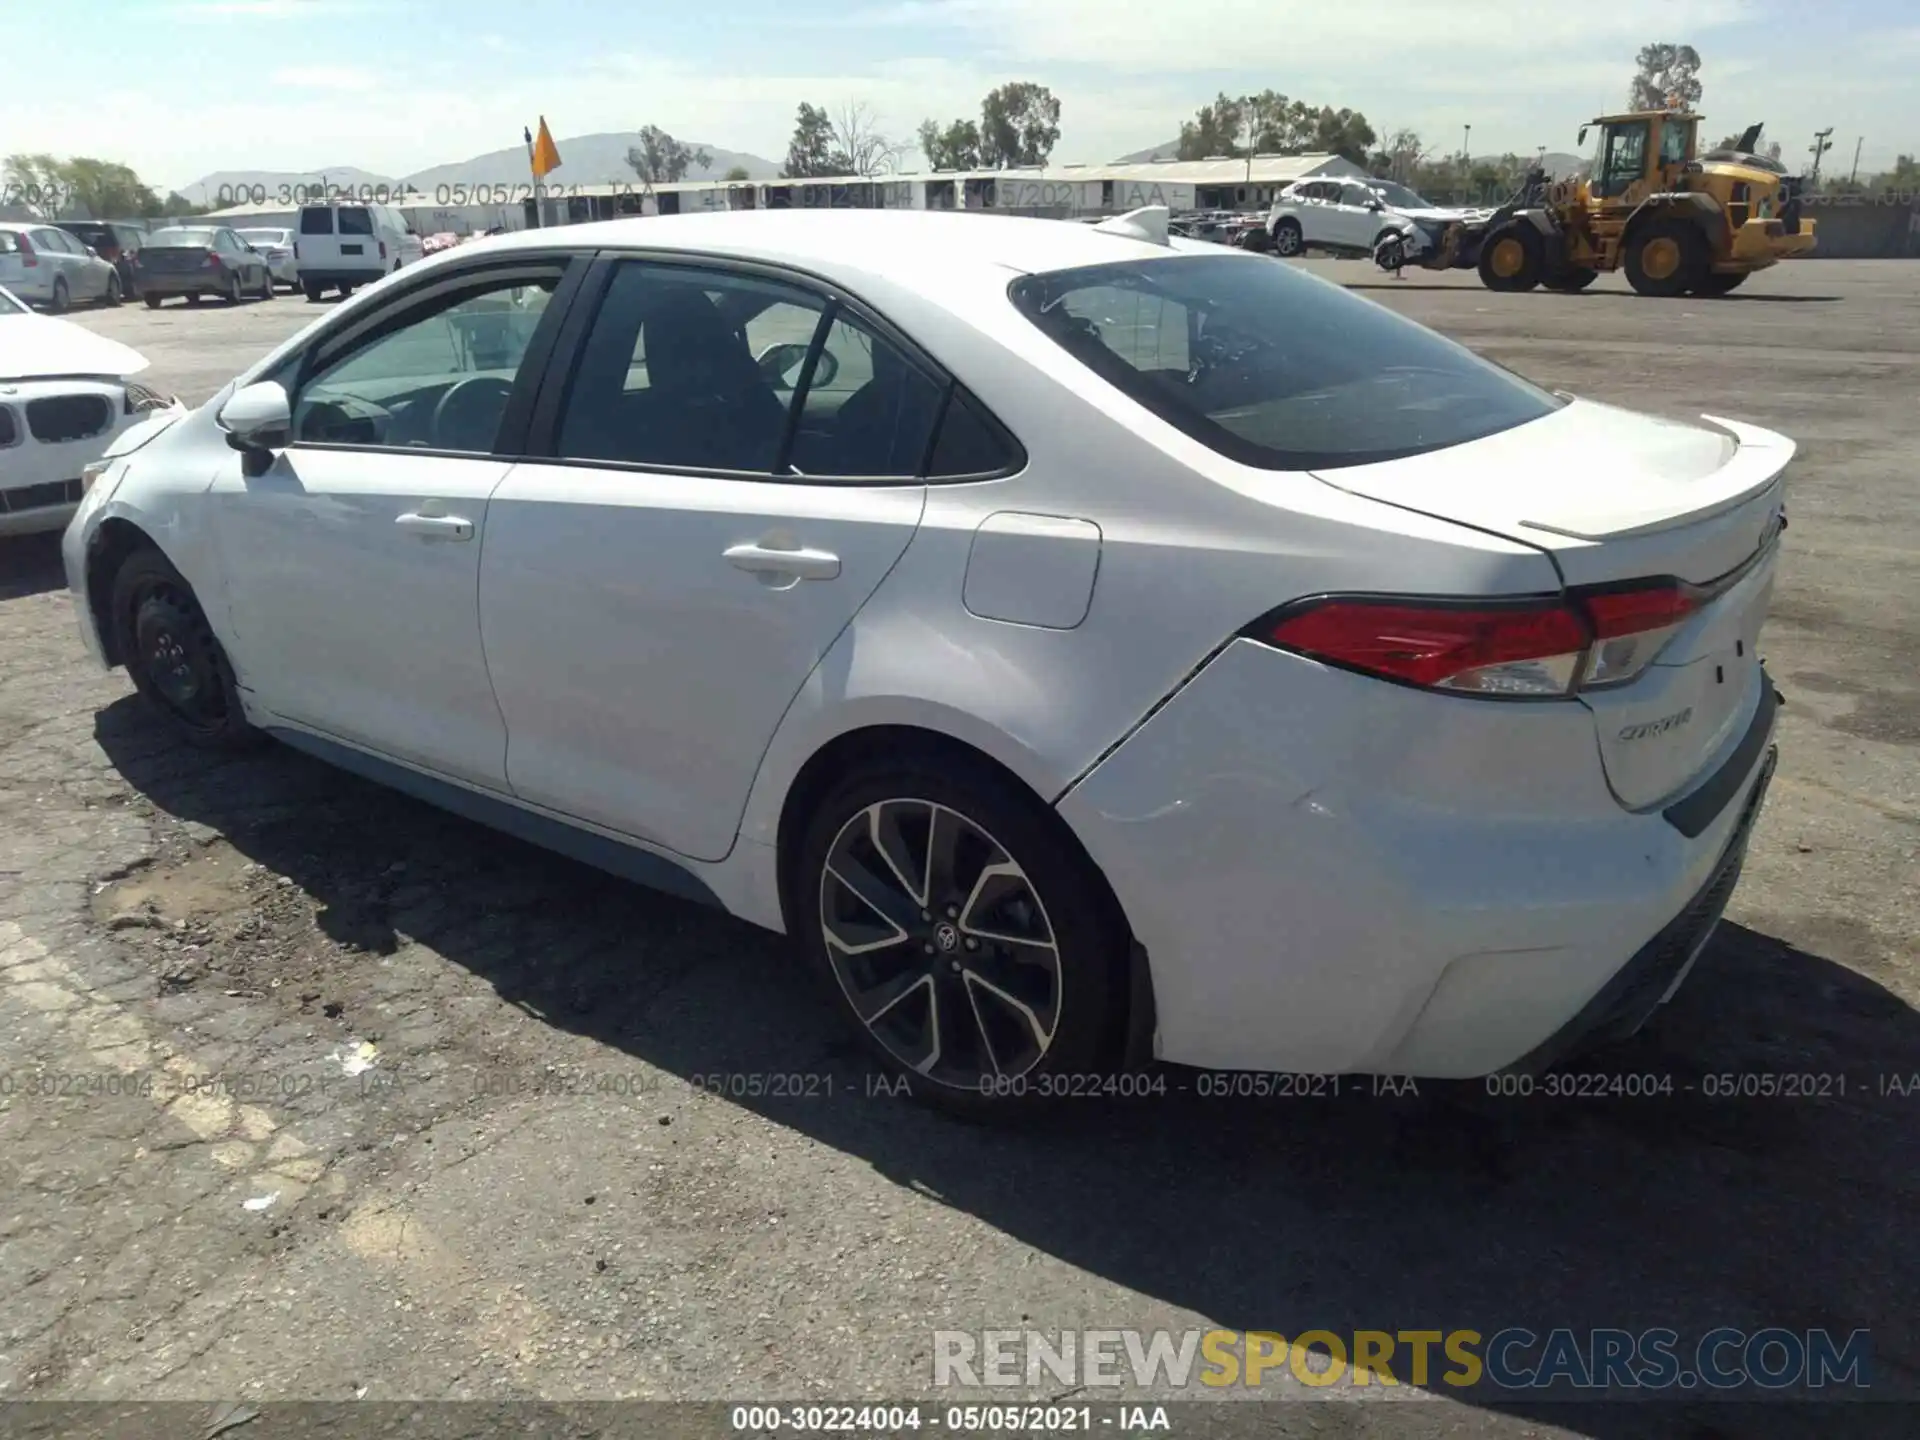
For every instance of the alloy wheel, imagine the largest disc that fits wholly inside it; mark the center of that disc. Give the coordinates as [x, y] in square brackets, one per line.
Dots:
[940, 943]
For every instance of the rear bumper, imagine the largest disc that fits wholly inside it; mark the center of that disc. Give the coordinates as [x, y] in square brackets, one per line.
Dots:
[1329, 874]
[191, 282]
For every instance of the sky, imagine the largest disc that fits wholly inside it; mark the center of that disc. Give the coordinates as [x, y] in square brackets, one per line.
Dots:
[182, 88]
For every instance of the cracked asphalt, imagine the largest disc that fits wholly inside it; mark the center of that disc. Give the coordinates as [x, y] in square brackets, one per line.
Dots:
[309, 1092]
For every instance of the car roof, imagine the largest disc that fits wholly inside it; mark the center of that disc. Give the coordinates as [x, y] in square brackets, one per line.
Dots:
[907, 246]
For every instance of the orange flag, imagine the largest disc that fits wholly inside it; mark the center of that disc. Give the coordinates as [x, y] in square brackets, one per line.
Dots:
[546, 155]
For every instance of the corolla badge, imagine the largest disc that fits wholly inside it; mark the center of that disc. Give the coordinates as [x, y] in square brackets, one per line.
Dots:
[1657, 727]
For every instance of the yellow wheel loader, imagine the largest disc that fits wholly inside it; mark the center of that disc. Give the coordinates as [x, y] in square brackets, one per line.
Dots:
[1677, 222]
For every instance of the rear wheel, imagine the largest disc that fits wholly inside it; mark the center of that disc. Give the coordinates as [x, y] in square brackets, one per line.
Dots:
[312, 291]
[346, 291]
[1288, 238]
[193, 297]
[153, 301]
[172, 656]
[1666, 258]
[1511, 260]
[1717, 284]
[972, 945]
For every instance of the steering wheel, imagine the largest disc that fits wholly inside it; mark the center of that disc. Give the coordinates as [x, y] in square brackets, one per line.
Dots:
[468, 405]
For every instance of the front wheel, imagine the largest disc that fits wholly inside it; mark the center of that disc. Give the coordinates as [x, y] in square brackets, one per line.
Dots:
[233, 295]
[152, 300]
[171, 654]
[61, 297]
[113, 296]
[1288, 238]
[1512, 259]
[1666, 258]
[975, 949]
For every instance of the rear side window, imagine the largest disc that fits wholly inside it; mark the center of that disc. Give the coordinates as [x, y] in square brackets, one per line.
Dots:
[971, 443]
[354, 220]
[1272, 367]
[9, 243]
[316, 220]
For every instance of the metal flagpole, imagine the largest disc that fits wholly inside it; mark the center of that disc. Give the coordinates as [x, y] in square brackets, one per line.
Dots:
[531, 170]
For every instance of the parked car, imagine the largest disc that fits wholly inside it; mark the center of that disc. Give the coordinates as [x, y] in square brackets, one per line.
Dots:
[341, 247]
[1351, 216]
[44, 265]
[65, 394]
[201, 261]
[114, 241]
[275, 246]
[1165, 653]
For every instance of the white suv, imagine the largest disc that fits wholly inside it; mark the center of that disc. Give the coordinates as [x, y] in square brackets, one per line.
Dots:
[1349, 216]
[343, 246]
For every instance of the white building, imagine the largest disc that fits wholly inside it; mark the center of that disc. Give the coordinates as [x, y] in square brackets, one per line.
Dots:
[1060, 191]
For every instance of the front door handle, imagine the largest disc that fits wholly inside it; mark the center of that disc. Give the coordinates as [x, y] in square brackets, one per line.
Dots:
[774, 565]
[436, 527]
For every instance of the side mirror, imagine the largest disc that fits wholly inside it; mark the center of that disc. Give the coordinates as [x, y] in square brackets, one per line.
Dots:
[258, 419]
[1583, 136]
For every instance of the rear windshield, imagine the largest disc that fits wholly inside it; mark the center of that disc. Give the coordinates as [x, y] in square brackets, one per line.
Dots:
[316, 220]
[264, 237]
[1273, 367]
[354, 220]
[95, 235]
[161, 239]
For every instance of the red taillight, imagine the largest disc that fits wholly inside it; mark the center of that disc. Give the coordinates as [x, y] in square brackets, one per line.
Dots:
[27, 257]
[213, 260]
[1536, 647]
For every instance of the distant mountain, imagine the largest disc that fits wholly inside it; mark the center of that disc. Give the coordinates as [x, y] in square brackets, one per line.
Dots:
[1168, 151]
[243, 187]
[584, 160]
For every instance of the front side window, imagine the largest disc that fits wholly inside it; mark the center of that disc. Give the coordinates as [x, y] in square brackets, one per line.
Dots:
[1272, 367]
[1624, 158]
[439, 380]
[696, 369]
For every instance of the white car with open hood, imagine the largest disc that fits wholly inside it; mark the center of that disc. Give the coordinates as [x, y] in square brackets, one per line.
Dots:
[1351, 216]
[1087, 645]
[65, 393]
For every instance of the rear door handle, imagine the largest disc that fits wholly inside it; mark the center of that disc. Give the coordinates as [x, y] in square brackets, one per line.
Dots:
[773, 564]
[436, 527]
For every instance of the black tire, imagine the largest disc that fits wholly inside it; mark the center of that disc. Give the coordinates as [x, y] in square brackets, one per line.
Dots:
[1666, 258]
[919, 983]
[1715, 285]
[312, 292]
[152, 300]
[1572, 280]
[233, 295]
[346, 292]
[1513, 258]
[1288, 238]
[169, 649]
[193, 297]
[61, 299]
[1390, 250]
[113, 295]
[266, 284]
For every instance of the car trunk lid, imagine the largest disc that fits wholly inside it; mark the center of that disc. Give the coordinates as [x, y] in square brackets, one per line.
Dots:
[1614, 497]
[173, 259]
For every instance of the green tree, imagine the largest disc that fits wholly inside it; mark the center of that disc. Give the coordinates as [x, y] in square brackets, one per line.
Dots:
[1215, 129]
[107, 190]
[810, 151]
[955, 146]
[1668, 78]
[38, 182]
[1276, 125]
[1019, 124]
[659, 159]
[1342, 132]
[736, 175]
[176, 206]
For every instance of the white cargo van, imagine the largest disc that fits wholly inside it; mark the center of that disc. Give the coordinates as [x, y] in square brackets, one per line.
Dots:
[343, 245]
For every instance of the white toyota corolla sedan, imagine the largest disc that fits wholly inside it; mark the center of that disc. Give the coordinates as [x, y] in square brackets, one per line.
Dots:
[1087, 646]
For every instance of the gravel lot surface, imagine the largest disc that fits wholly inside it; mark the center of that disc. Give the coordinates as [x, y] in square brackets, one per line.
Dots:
[312, 1092]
